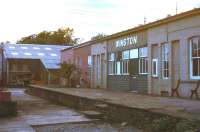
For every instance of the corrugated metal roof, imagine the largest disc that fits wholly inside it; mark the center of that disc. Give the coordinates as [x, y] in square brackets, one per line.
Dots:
[48, 54]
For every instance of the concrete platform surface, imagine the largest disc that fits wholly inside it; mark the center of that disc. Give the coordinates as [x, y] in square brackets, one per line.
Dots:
[178, 107]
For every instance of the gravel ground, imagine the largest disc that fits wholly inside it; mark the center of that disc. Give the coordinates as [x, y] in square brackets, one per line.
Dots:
[88, 127]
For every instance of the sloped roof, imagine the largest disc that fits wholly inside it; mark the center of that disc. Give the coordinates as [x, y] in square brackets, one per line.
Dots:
[49, 55]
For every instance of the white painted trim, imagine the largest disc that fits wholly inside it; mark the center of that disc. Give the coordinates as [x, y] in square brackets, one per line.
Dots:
[155, 60]
[191, 68]
[143, 73]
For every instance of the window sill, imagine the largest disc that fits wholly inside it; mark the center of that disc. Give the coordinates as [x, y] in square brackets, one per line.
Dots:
[143, 73]
[195, 77]
[125, 74]
[154, 76]
[165, 78]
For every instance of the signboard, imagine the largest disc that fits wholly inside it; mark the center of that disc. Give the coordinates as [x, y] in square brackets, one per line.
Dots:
[132, 40]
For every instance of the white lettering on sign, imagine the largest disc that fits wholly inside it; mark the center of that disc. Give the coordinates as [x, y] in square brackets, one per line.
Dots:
[126, 41]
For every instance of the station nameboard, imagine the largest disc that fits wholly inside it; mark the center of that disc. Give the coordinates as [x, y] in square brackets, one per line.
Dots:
[132, 40]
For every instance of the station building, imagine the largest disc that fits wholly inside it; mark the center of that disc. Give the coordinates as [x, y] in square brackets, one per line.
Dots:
[174, 52]
[21, 63]
[150, 58]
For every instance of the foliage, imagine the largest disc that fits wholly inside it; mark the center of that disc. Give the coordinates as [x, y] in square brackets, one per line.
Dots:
[98, 36]
[71, 73]
[63, 36]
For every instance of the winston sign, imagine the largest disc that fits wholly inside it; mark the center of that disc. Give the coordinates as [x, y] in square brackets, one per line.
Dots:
[132, 40]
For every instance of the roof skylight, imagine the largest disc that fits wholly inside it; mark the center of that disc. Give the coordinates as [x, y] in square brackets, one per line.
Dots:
[14, 53]
[47, 48]
[24, 47]
[41, 54]
[36, 48]
[53, 54]
[11, 47]
[27, 54]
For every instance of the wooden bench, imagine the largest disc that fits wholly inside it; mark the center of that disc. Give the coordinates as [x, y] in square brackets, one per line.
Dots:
[193, 91]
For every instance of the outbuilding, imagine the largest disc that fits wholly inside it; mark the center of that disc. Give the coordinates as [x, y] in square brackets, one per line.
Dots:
[22, 63]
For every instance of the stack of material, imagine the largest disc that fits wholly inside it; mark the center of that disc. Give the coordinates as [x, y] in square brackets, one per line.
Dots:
[7, 107]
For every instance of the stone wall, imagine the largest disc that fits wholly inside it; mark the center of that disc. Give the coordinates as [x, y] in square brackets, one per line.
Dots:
[143, 119]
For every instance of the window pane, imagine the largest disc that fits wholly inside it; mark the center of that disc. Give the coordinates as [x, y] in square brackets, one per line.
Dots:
[134, 53]
[199, 48]
[125, 67]
[111, 67]
[125, 54]
[194, 47]
[89, 60]
[111, 56]
[118, 68]
[154, 68]
[143, 52]
[165, 60]
[143, 65]
[146, 70]
[196, 65]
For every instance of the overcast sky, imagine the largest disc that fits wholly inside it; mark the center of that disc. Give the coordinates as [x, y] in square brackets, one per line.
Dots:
[21, 18]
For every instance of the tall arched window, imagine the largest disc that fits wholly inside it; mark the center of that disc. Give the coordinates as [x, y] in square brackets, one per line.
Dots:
[195, 58]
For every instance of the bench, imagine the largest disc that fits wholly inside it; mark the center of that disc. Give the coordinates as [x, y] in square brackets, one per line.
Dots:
[193, 91]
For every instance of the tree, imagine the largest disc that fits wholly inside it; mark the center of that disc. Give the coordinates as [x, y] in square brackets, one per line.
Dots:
[71, 73]
[63, 36]
[98, 36]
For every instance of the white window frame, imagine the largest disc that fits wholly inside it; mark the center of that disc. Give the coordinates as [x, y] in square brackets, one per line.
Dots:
[111, 56]
[111, 67]
[125, 62]
[155, 61]
[191, 58]
[141, 50]
[89, 60]
[118, 68]
[123, 55]
[163, 60]
[111, 64]
[142, 71]
[134, 51]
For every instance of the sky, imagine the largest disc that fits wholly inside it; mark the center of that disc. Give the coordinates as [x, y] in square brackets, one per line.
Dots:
[20, 18]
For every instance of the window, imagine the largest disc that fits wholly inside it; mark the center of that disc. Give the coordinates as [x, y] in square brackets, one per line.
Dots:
[165, 61]
[118, 68]
[98, 67]
[143, 52]
[125, 54]
[111, 63]
[111, 56]
[89, 60]
[111, 70]
[125, 67]
[195, 58]
[133, 53]
[155, 67]
[143, 60]
[143, 65]
[124, 62]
